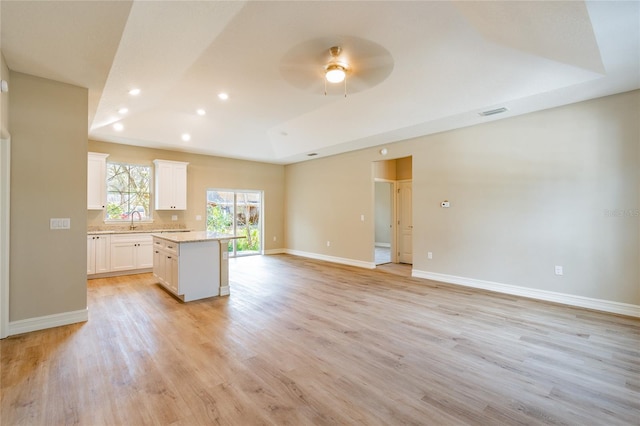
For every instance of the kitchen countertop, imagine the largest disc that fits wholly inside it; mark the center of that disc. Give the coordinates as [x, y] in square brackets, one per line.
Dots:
[138, 231]
[194, 236]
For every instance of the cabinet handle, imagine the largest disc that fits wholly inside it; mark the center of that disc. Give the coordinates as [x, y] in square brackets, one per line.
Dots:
[157, 251]
[168, 257]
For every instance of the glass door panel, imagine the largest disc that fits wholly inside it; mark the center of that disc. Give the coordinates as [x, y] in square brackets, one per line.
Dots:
[237, 213]
[248, 223]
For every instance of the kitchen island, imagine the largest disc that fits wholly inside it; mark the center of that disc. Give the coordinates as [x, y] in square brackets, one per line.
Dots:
[192, 265]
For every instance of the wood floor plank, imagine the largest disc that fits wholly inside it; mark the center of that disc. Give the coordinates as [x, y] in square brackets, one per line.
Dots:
[304, 342]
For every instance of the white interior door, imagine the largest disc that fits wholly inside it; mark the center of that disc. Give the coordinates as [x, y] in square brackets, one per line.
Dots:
[405, 222]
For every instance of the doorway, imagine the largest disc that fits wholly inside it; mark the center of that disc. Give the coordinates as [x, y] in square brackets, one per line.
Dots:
[239, 213]
[383, 221]
[393, 211]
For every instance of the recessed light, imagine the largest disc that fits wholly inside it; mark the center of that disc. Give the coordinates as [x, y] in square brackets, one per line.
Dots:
[186, 137]
[383, 151]
[134, 92]
[223, 96]
[123, 110]
[118, 127]
[201, 112]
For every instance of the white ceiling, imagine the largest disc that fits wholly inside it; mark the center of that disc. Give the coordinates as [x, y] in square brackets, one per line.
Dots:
[446, 61]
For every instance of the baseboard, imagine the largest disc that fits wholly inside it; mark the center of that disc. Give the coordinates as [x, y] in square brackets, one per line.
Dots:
[383, 244]
[333, 259]
[119, 273]
[48, 321]
[224, 290]
[549, 296]
[274, 251]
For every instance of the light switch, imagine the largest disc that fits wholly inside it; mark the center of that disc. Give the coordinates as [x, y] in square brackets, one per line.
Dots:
[60, 223]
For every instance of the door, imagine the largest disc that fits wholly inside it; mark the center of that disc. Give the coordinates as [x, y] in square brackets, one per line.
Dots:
[405, 223]
[237, 213]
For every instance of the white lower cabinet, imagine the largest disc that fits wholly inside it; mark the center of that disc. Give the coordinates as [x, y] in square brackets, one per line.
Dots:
[98, 254]
[131, 251]
[165, 264]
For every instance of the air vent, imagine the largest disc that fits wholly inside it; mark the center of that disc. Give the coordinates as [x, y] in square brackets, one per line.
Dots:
[493, 112]
[313, 154]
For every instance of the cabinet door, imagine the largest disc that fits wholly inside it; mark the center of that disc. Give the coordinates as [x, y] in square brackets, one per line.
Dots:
[102, 254]
[179, 186]
[170, 185]
[123, 255]
[174, 274]
[144, 254]
[158, 265]
[171, 272]
[164, 186]
[91, 255]
[96, 181]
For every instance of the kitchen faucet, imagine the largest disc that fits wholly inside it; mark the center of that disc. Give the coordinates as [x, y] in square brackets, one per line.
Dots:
[132, 227]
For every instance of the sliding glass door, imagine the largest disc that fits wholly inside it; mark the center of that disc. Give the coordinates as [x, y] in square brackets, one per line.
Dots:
[238, 213]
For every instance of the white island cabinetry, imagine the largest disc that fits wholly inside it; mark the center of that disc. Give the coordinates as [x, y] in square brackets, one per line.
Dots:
[192, 265]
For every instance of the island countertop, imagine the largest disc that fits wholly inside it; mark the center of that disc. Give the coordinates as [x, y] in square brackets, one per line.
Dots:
[194, 236]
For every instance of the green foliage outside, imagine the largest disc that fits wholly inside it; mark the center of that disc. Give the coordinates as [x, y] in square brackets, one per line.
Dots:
[220, 220]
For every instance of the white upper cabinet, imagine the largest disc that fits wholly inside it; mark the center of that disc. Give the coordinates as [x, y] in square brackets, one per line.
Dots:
[171, 185]
[96, 181]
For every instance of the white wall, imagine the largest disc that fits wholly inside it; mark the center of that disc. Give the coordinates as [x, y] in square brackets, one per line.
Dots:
[527, 193]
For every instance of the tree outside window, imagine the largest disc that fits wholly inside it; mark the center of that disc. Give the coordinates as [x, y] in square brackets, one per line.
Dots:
[128, 192]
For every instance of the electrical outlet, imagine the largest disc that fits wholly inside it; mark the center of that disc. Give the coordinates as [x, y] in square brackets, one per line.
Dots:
[328, 243]
[559, 270]
[275, 238]
[198, 217]
[174, 217]
[361, 218]
[429, 255]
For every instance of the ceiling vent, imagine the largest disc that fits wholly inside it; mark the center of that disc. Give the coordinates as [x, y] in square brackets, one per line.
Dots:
[493, 112]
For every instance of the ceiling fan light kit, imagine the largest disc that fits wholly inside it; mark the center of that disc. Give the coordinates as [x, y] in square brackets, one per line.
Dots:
[336, 71]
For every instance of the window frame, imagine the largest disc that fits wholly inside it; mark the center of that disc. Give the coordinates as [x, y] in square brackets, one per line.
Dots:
[149, 216]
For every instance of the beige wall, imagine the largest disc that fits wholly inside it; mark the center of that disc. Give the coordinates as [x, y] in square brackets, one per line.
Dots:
[527, 193]
[48, 123]
[206, 172]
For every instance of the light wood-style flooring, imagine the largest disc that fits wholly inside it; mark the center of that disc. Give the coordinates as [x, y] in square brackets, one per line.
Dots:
[303, 342]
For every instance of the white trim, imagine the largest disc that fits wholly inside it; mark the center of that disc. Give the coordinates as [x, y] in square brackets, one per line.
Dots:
[274, 251]
[48, 321]
[377, 244]
[549, 296]
[224, 290]
[5, 229]
[333, 259]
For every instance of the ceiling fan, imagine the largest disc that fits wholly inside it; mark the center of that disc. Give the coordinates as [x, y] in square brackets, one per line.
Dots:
[328, 61]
